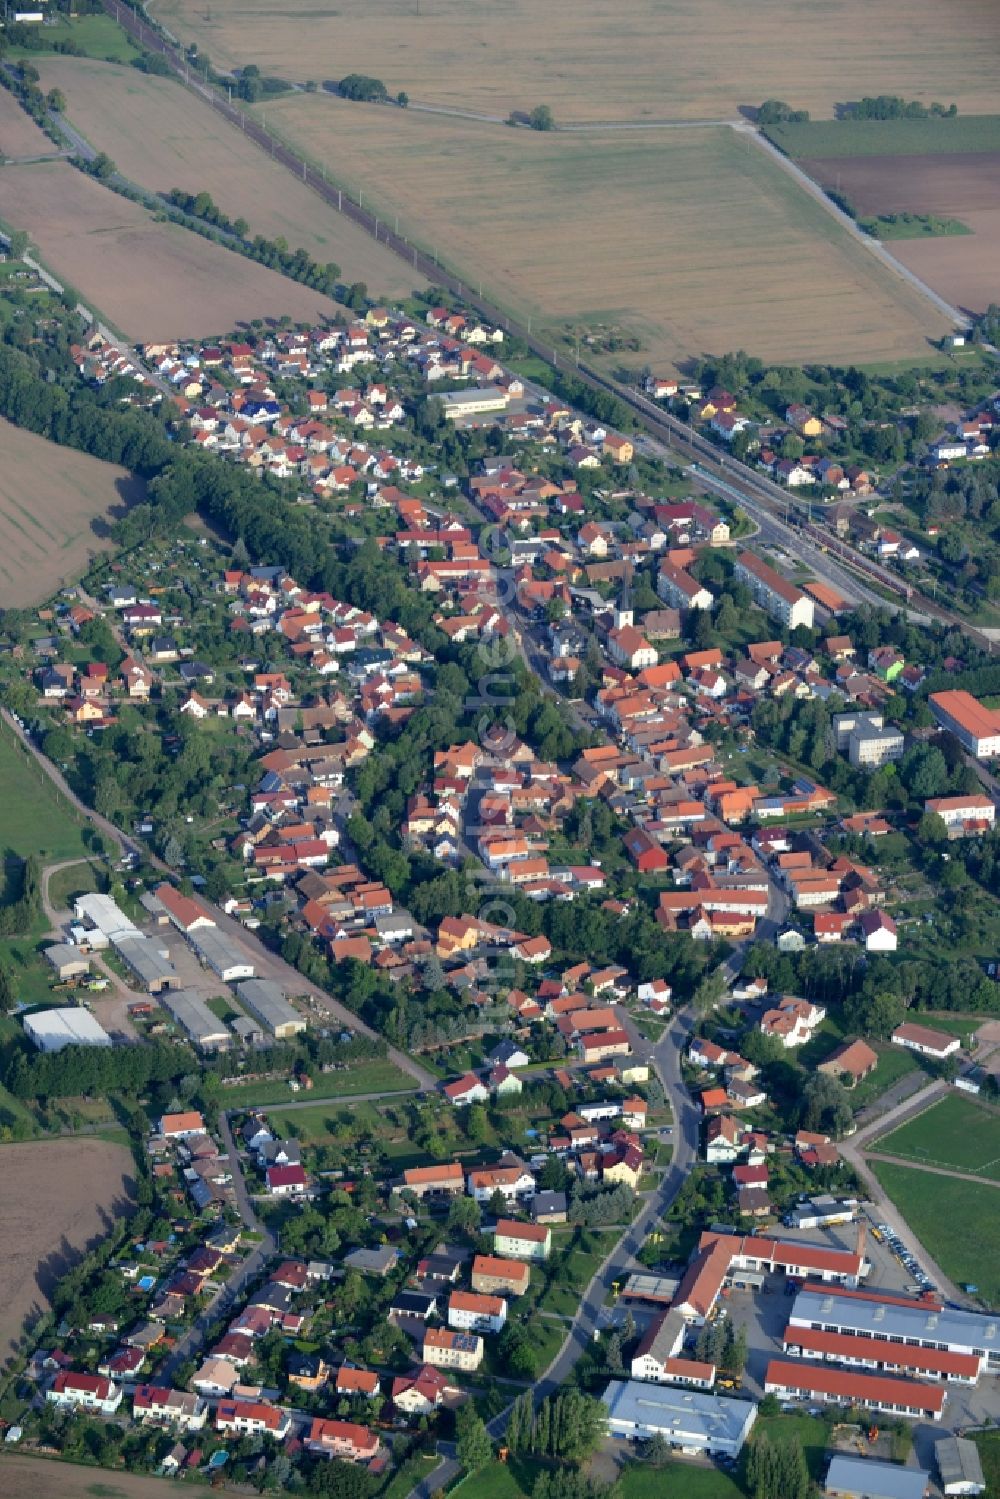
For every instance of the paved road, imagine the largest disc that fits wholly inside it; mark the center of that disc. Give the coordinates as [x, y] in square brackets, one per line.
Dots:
[250, 1268]
[51, 914]
[665, 1057]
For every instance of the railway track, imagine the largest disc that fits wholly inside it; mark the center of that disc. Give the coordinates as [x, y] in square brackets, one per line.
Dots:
[724, 474]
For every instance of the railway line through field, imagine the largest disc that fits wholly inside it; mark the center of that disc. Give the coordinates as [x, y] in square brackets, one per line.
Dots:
[783, 518]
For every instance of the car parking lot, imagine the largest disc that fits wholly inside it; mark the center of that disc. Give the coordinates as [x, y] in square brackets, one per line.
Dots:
[893, 1247]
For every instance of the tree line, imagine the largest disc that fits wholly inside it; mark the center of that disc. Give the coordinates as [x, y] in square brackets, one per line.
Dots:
[568, 1425]
[297, 265]
[17, 915]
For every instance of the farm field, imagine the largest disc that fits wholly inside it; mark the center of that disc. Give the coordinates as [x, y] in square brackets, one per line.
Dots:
[650, 59]
[692, 241]
[161, 136]
[95, 36]
[34, 818]
[961, 186]
[939, 1211]
[19, 135]
[962, 269]
[813, 140]
[55, 506]
[956, 1132]
[152, 280]
[45, 1479]
[59, 1197]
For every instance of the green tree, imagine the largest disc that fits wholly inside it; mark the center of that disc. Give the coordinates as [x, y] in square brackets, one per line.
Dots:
[517, 1352]
[520, 1424]
[464, 1214]
[8, 997]
[655, 1451]
[339, 1480]
[709, 992]
[540, 118]
[475, 1449]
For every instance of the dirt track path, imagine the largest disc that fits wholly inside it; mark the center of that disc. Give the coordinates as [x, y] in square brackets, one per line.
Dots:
[52, 916]
[902, 1160]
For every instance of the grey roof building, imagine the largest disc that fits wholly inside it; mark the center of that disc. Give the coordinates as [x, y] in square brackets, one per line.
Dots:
[266, 1000]
[194, 1017]
[225, 958]
[548, 1207]
[959, 1466]
[921, 1325]
[866, 1478]
[687, 1419]
[150, 964]
[373, 1261]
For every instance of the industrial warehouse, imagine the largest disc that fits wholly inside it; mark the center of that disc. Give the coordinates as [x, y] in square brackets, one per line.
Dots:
[686, 1419]
[908, 1327]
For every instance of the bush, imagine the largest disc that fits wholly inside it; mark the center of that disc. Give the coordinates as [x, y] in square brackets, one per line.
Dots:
[360, 86]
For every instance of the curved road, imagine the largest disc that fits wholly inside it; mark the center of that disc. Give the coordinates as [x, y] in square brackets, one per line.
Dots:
[885, 1210]
[665, 1058]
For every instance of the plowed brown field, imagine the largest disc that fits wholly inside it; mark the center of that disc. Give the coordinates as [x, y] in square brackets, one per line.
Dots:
[55, 509]
[59, 1198]
[964, 185]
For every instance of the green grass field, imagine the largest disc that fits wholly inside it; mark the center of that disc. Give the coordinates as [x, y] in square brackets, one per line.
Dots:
[575, 1273]
[66, 884]
[677, 1481]
[821, 138]
[956, 1132]
[988, 1443]
[510, 1480]
[95, 36]
[368, 1077]
[958, 1222]
[34, 818]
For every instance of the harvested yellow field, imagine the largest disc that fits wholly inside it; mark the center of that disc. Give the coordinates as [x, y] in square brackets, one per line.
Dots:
[56, 507]
[693, 240]
[162, 136]
[588, 60]
[152, 280]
